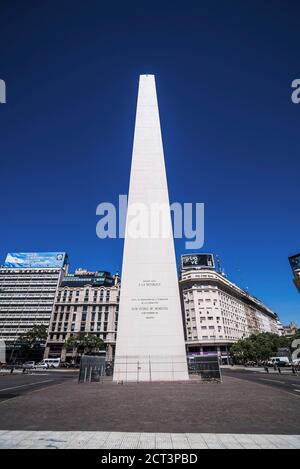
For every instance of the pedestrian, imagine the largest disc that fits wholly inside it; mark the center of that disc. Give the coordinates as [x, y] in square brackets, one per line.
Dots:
[266, 369]
[279, 369]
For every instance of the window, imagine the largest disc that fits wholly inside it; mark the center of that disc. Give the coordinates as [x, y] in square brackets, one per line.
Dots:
[83, 317]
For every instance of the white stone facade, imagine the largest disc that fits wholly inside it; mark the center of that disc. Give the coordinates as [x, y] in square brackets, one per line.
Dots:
[88, 309]
[217, 313]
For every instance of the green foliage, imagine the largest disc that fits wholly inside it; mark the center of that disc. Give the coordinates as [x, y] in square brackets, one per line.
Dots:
[83, 343]
[297, 335]
[32, 343]
[259, 347]
[35, 337]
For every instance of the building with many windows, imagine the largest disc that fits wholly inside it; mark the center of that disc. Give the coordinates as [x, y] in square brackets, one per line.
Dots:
[86, 302]
[28, 286]
[216, 312]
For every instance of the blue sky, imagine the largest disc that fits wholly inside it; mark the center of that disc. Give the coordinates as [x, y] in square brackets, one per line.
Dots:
[231, 133]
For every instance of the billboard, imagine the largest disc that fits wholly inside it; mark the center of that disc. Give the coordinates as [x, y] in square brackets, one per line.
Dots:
[24, 260]
[295, 262]
[197, 261]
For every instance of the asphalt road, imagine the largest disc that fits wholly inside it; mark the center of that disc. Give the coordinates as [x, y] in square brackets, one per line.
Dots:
[16, 384]
[285, 382]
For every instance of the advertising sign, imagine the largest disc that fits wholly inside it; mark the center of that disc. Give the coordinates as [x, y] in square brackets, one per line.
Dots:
[197, 261]
[295, 262]
[23, 260]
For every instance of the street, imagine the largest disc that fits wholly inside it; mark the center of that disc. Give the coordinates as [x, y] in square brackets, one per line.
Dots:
[285, 381]
[18, 384]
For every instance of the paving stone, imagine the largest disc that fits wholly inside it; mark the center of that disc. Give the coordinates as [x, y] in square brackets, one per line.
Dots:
[135, 440]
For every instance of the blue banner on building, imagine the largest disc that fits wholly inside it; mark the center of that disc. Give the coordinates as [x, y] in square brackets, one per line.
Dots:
[24, 260]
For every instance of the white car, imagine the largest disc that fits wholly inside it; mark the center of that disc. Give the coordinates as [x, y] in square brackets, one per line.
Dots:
[28, 365]
[49, 363]
[42, 365]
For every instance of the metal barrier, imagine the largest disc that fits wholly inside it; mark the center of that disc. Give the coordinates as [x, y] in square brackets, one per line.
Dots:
[137, 368]
[92, 369]
[207, 367]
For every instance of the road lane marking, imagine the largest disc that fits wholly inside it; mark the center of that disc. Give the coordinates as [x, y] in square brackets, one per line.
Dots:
[273, 380]
[24, 385]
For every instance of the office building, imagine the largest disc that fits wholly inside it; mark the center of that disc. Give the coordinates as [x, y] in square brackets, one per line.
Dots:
[28, 285]
[86, 302]
[216, 312]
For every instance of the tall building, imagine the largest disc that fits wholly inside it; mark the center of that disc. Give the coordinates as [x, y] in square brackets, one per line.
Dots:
[216, 312]
[86, 302]
[150, 342]
[28, 285]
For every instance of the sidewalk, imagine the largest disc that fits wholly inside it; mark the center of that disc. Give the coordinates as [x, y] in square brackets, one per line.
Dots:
[126, 440]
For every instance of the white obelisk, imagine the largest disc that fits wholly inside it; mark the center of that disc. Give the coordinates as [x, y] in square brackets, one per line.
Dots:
[150, 341]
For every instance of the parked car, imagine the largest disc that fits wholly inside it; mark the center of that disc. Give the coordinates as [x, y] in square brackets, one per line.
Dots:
[29, 365]
[49, 363]
[279, 361]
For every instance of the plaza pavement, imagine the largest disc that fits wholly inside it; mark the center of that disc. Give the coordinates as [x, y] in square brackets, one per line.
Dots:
[182, 415]
[131, 440]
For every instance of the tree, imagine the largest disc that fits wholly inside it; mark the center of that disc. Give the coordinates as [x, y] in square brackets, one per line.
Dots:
[33, 341]
[259, 347]
[83, 343]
